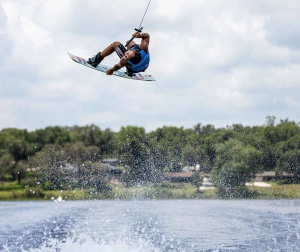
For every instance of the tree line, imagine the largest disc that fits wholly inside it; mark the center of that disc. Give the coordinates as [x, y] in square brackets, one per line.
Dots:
[232, 154]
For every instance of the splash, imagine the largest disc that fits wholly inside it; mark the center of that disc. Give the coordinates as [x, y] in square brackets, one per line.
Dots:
[87, 243]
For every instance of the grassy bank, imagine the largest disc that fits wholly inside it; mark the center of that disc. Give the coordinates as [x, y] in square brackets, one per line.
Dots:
[279, 191]
[13, 191]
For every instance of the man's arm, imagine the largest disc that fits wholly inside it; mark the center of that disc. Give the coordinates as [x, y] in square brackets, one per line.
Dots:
[116, 67]
[145, 40]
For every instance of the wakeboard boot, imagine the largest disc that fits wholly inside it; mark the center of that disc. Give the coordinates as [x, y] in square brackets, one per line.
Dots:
[96, 60]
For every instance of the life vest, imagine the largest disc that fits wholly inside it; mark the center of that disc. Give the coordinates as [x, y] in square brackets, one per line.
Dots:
[143, 64]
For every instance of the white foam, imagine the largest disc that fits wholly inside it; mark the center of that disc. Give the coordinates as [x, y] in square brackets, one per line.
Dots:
[89, 244]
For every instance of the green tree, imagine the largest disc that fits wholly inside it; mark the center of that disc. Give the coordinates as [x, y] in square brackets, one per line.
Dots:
[205, 129]
[94, 136]
[49, 135]
[95, 176]
[270, 120]
[289, 157]
[195, 152]
[20, 170]
[235, 165]
[290, 162]
[197, 180]
[13, 145]
[169, 142]
[133, 150]
[64, 166]
[6, 165]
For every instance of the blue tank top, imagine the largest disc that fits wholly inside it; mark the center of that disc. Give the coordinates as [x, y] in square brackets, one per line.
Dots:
[143, 63]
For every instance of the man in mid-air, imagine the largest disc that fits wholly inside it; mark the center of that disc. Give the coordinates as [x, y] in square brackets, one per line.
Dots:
[135, 57]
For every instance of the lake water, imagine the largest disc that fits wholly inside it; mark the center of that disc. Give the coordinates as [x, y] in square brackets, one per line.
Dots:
[146, 226]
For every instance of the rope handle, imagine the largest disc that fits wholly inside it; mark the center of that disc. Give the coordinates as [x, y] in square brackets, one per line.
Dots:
[138, 30]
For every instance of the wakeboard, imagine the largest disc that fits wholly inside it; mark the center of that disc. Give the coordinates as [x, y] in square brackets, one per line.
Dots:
[102, 68]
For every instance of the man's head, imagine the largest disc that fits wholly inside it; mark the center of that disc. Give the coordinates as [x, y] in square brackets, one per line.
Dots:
[134, 56]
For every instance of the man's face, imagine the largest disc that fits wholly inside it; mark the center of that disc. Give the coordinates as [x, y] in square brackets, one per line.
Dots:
[129, 55]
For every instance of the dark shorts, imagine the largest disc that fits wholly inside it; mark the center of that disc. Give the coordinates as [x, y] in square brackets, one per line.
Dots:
[120, 50]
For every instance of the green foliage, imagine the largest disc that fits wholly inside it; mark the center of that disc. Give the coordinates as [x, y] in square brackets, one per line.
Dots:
[6, 165]
[71, 166]
[240, 192]
[197, 180]
[270, 120]
[167, 144]
[235, 165]
[70, 157]
[195, 152]
[290, 162]
[48, 186]
[8, 186]
[34, 193]
[93, 136]
[204, 130]
[132, 150]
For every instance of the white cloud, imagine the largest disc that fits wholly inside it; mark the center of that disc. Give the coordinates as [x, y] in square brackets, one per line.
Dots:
[215, 62]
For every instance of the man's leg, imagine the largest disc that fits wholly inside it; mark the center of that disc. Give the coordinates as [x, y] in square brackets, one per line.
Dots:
[96, 60]
[110, 49]
[131, 44]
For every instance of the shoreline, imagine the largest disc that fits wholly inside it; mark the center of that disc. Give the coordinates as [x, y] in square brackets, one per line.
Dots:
[178, 191]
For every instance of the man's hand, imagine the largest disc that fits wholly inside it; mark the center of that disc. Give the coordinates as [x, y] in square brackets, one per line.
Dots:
[117, 66]
[110, 71]
[136, 34]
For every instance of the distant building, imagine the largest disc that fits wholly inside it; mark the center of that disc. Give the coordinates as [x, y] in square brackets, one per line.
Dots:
[111, 161]
[269, 175]
[178, 177]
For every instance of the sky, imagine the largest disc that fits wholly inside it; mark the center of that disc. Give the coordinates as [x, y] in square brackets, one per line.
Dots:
[216, 62]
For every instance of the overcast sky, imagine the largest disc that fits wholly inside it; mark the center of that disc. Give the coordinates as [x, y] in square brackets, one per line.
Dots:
[216, 62]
